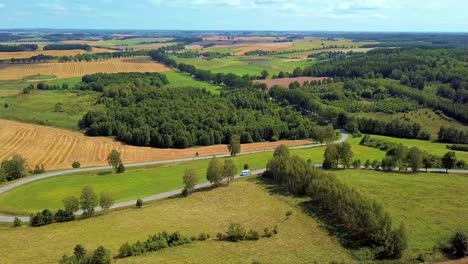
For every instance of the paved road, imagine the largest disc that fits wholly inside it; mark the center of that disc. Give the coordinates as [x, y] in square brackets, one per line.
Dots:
[5, 218]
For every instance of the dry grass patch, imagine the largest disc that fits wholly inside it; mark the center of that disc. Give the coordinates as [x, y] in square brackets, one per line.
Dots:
[300, 240]
[58, 148]
[77, 69]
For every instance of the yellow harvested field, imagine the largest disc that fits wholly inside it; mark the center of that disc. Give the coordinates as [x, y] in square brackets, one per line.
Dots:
[78, 69]
[28, 54]
[58, 148]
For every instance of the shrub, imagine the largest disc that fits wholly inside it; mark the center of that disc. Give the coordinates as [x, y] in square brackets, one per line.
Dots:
[42, 218]
[203, 236]
[288, 214]
[267, 232]
[64, 216]
[120, 168]
[76, 164]
[459, 244]
[235, 233]
[17, 222]
[153, 243]
[220, 236]
[139, 203]
[252, 235]
[38, 169]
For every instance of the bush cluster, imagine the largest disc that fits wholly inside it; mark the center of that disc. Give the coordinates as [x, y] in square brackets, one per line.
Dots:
[153, 243]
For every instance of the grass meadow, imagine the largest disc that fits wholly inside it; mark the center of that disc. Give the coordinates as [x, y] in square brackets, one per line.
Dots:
[299, 240]
[139, 182]
[430, 205]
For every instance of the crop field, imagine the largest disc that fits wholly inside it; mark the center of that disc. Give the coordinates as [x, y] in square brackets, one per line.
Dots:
[429, 121]
[299, 238]
[58, 148]
[252, 65]
[76, 69]
[430, 205]
[305, 54]
[28, 54]
[140, 182]
[284, 82]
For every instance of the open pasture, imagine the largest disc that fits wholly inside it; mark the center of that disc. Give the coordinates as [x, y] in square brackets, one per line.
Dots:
[77, 69]
[252, 65]
[58, 148]
[430, 205]
[299, 238]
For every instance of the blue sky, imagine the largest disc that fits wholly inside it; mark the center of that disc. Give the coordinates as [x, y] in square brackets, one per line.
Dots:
[345, 15]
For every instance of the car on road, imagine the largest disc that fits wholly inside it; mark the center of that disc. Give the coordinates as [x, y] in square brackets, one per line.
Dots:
[245, 173]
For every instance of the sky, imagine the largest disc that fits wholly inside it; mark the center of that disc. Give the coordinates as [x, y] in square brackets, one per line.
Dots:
[301, 15]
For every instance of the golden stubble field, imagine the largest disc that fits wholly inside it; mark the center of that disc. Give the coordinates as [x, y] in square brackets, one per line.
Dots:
[58, 148]
[78, 69]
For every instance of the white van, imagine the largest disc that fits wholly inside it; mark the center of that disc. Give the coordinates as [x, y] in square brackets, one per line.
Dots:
[245, 173]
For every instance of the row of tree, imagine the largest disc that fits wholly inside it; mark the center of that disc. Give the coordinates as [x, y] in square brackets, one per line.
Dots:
[87, 203]
[453, 135]
[394, 128]
[360, 222]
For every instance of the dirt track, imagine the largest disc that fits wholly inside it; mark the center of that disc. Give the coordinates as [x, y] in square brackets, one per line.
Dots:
[58, 148]
[284, 82]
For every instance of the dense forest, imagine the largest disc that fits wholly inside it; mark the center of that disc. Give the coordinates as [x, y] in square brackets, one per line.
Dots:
[139, 110]
[67, 47]
[19, 47]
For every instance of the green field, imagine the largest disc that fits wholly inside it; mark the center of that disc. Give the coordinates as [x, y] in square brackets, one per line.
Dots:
[252, 65]
[299, 238]
[430, 205]
[434, 148]
[177, 79]
[139, 182]
[429, 121]
[39, 107]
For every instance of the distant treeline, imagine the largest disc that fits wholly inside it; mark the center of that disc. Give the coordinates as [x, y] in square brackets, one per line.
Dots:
[67, 47]
[289, 51]
[206, 55]
[140, 111]
[19, 47]
[458, 147]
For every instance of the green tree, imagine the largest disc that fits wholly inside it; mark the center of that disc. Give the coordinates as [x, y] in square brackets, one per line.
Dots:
[120, 168]
[71, 204]
[15, 168]
[449, 160]
[265, 74]
[331, 157]
[415, 159]
[88, 200]
[114, 159]
[229, 170]
[345, 153]
[427, 162]
[281, 151]
[106, 200]
[76, 164]
[189, 180]
[357, 164]
[234, 145]
[101, 256]
[79, 252]
[214, 173]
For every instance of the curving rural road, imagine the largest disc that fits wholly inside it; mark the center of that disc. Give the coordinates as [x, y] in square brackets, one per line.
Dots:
[5, 218]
